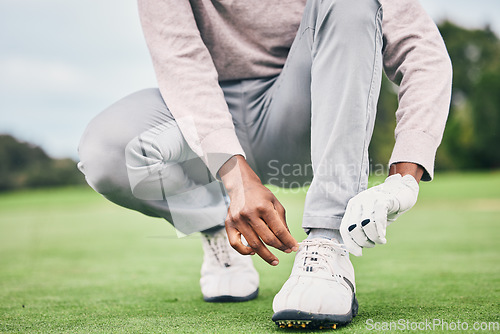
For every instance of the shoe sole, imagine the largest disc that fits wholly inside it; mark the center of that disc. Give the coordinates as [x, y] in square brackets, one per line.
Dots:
[301, 319]
[231, 299]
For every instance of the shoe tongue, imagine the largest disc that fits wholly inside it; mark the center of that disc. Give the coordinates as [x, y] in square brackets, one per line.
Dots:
[312, 259]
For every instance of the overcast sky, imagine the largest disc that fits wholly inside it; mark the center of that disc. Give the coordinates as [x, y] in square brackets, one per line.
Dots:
[63, 61]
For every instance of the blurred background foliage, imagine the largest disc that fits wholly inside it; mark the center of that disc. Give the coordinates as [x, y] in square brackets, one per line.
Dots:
[24, 165]
[471, 139]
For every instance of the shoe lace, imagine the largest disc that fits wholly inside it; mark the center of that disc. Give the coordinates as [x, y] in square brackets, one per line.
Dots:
[316, 255]
[217, 245]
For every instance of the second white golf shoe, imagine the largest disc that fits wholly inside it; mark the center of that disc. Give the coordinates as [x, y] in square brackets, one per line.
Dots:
[226, 275]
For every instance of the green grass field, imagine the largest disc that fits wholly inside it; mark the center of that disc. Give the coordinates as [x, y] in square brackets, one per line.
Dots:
[72, 262]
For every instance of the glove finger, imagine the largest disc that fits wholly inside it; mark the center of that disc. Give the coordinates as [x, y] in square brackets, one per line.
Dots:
[365, 214]
[350, 244]
[370, 229]
[380, 220]
[360, 238]
[345, 225]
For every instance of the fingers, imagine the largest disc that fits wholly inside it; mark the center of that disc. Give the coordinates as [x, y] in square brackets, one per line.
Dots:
[364, 223]
[265, 221]
[380, 219]
[368, 213]
[255, 213]
[360, 237]
[263, 226]
[255, 245]
[346, 227]
[281, 212]
[274, 218]
[369, 230]
[267, 236]
[234, 237]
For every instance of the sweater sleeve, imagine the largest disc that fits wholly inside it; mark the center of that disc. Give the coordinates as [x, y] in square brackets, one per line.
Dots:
[415, 58]
[188, 80]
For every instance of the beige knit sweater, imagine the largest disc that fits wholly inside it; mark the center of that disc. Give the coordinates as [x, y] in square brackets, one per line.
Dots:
[195, 44]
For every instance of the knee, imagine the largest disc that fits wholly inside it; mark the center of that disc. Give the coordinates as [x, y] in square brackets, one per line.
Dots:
[103, 173]
[102, 159]
[360, 11]
[103, 163]
[350, 16]
[153, 163]
[103, 144]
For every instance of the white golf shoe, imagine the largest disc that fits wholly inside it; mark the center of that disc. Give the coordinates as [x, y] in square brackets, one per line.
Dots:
[320, 291]
[226, 275]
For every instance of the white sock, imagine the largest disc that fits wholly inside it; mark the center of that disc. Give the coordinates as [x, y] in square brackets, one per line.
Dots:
[325, 233]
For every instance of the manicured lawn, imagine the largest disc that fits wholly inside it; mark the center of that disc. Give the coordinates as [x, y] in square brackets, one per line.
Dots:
[72, 262]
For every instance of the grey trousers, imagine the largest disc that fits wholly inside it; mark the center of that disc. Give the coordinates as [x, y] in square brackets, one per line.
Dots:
[311, 125]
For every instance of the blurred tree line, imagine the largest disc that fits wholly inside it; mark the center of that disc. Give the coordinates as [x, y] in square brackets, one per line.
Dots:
[471, 139]
[472, 136]
[24, 165]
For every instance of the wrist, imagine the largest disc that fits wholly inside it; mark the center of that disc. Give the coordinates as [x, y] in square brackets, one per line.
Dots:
[407, 168]
[235, 172]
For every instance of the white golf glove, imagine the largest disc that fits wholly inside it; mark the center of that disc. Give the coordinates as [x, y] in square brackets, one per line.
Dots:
[370, 212]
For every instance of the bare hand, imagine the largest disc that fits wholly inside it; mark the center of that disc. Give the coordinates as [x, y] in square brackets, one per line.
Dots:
[255, 213]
